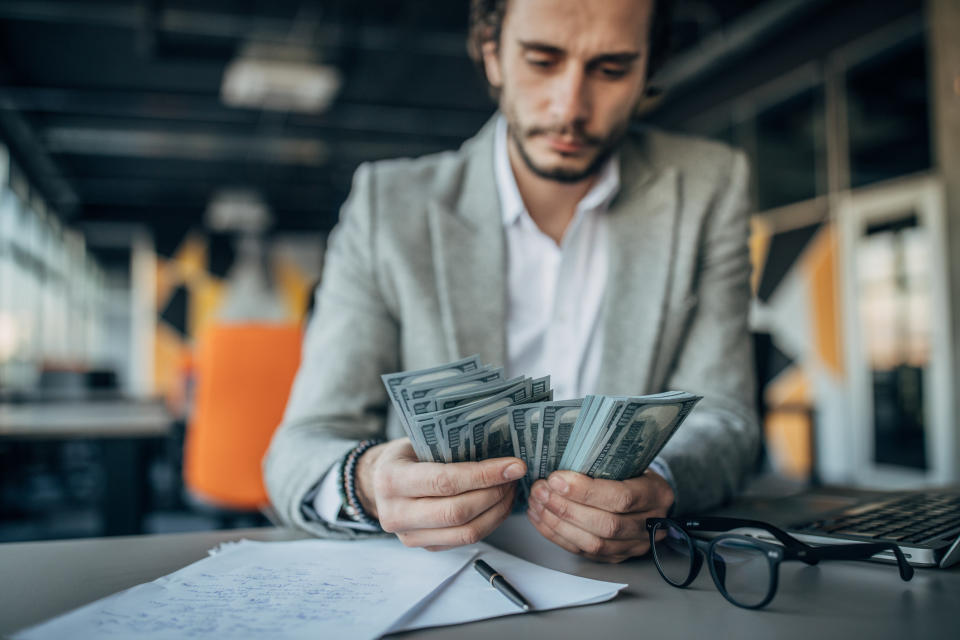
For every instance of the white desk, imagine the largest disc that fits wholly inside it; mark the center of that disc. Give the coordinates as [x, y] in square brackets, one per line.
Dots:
[98, 419]
[124, 428]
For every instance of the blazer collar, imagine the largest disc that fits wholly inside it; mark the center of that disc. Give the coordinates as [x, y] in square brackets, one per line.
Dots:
[644, 226]
[469, 248]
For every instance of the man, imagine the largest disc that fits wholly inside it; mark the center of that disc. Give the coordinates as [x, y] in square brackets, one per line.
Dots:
[554, 242]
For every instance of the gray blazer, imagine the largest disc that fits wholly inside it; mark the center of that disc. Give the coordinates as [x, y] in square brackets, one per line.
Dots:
[415, 275]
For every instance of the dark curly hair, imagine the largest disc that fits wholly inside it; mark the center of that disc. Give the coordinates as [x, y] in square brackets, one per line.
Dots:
[486, 20]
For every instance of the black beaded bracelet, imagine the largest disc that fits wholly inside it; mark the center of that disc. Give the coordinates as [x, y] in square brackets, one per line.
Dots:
[348, 484]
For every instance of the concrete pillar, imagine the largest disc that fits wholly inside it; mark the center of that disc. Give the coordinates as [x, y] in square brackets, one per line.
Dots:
[944, 51]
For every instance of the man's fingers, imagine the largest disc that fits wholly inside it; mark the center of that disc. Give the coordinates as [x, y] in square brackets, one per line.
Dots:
[550, 534]
[433, 513]
[437, 479]
[588, 543]
[470, 533]
[601, 523]
[617, 496]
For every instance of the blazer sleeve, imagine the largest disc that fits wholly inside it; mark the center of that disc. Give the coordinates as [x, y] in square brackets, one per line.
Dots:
[337, 398]
[716, 447]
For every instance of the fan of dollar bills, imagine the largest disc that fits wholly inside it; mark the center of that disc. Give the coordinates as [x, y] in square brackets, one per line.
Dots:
[466, 410]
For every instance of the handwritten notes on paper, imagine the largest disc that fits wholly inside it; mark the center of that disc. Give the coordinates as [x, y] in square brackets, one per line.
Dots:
[302, 589]
[319, 589]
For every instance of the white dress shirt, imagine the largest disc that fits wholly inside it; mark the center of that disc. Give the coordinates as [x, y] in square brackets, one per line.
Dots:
[554, 292]
[554, 296]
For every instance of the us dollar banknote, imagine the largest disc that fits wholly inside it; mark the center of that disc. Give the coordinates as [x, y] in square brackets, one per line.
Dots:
[556, 426]
[466, 410]
[395, 381]
[416, 398]
[452, 422]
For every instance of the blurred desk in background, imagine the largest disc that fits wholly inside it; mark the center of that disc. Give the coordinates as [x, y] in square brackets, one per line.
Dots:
[125, 428]
[99, 419]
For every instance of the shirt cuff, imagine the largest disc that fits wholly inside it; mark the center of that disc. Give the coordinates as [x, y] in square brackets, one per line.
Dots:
[659, 465]
[324, 503]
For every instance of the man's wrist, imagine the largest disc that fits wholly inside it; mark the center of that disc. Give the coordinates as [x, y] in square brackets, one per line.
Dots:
[366, 464]
[352, 505]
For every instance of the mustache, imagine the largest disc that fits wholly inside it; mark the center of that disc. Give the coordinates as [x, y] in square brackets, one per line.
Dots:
[567, 131]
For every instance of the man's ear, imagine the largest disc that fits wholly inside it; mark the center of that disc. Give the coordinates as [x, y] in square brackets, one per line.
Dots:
[491, 63]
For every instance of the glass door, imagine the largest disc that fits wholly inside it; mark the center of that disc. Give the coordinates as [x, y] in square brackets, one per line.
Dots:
[896, 307]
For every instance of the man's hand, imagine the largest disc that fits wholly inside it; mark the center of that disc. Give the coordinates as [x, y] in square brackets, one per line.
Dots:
[602, 520]
[433, 505]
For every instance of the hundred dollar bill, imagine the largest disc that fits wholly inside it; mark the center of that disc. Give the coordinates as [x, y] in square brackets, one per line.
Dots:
[392, 381]
[564, 416]
[488, 429]
[556, 426]
[519, 388]
[588, 411]
[490, 435]
[522, 417]
[603, 414]
[643, 456]
[413, 395]
[444, 401]
[642, 430]
[623, 430]
[431, 437]
[451, 422]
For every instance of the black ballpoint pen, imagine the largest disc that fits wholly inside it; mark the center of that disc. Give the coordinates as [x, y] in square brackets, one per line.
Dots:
[498, 582]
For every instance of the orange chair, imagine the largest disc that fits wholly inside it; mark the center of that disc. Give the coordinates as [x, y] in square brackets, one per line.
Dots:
[243, 377]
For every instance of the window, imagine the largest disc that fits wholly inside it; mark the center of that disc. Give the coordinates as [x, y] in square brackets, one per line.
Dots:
[789, 155]
[893, 265]
[888, 114]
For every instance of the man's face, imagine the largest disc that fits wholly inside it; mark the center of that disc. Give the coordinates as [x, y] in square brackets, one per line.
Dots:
[570, 74]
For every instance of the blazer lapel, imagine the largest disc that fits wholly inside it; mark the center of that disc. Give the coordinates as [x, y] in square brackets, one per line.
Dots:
[643, 233]
[469, 249]
[467, 238]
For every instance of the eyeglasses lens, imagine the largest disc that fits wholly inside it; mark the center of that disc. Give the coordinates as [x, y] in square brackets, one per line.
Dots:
[742, 568]
[673, 553]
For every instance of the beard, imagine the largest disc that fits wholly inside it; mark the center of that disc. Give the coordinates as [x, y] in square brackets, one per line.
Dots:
[603, 147]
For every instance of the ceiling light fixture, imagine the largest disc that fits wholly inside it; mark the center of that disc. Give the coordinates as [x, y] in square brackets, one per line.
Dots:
[279, 77]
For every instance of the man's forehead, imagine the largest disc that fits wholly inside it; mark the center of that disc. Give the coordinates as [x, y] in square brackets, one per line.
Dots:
[593, 26]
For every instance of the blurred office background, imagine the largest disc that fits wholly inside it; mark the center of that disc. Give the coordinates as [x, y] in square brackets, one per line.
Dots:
[169, 172]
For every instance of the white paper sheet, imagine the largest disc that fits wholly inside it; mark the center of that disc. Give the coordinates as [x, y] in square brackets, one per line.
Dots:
[320, 589]
[468, 597]
[303, 589]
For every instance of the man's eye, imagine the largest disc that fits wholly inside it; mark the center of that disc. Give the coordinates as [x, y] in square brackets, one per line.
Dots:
[613, 72]
[543, 63]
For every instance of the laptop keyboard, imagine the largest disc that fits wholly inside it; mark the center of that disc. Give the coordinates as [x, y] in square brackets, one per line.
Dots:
[916, 518]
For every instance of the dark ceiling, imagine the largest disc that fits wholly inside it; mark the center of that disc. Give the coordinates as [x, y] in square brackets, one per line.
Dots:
[113, 107]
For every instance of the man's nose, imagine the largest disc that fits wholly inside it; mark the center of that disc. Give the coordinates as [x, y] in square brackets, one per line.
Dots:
[571, 102]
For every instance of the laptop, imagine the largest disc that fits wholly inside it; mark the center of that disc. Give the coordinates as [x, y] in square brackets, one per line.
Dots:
[924, 524]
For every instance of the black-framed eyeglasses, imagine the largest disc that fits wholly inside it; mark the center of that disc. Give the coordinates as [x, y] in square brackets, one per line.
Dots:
[744, 569]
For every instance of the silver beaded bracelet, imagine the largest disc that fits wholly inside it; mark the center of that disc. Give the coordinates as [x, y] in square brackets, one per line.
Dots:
[348, 483]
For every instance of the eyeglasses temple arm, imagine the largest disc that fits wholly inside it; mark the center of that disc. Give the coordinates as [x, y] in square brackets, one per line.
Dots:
[793, 546]
[862, 551]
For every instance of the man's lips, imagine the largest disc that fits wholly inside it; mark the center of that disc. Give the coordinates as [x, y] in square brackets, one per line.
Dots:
[566, 145]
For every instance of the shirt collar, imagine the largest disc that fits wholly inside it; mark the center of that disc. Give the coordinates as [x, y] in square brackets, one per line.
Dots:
[511, 204]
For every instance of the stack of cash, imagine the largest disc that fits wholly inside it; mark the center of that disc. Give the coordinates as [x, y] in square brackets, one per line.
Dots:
[466, 410]
[611, 437]
[458, 411]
